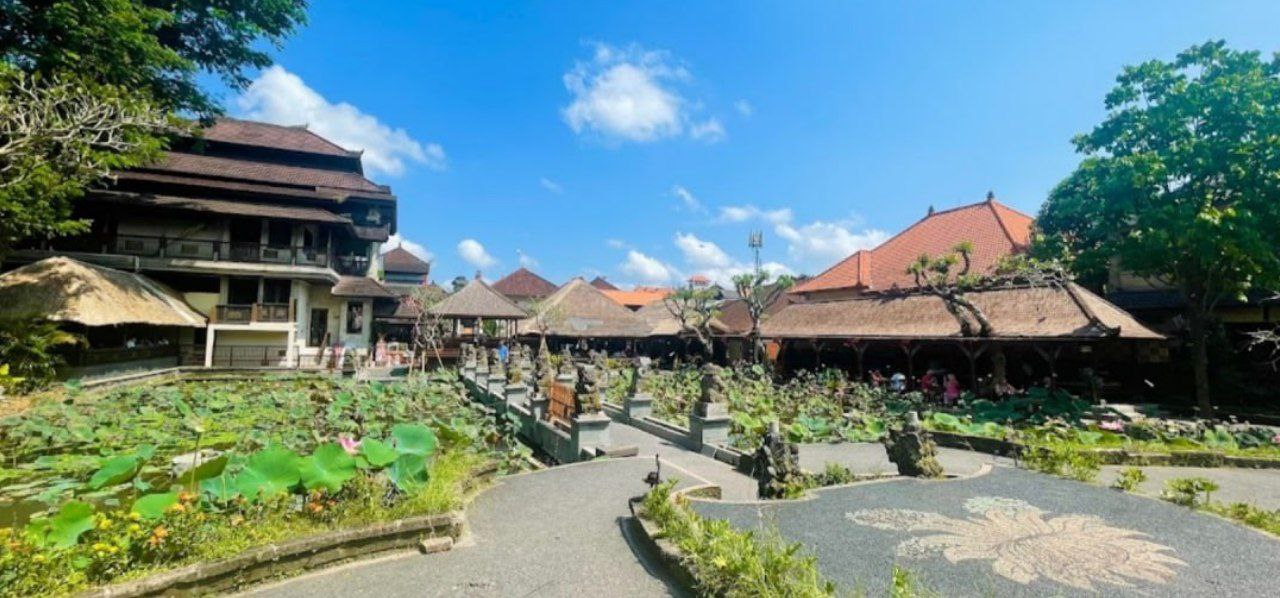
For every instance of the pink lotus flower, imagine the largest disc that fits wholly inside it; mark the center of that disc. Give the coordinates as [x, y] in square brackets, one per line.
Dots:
[1276, 439]
[1112, 425]
[351, 446]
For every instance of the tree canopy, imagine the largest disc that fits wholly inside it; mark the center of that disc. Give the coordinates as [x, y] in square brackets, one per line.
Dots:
[156, 47]
[1180, 183]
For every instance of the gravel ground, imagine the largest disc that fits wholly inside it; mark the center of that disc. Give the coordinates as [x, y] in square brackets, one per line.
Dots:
[1258, 487]
[1063, 554]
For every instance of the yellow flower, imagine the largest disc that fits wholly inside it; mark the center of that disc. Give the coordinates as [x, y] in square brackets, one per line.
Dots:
[39, 558]
[135, 516]
[104, 524]
[135, 527]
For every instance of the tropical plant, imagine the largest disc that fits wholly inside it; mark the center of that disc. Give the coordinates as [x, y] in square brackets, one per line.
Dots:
[1129, 479]
[1178, 186]
[29, 351]
[696, 309]
[1187, 491]
[757, 294]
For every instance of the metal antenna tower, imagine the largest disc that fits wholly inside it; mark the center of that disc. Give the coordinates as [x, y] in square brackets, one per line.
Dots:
[755, 241]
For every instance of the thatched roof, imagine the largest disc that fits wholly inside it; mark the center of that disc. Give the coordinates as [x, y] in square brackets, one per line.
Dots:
[477, 300]
[62, 289]
[580, 310]
[524, 284]
[1048, 313]
[663, 323]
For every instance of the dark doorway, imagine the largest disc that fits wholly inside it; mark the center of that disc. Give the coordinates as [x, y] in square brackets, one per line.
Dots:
[246, 236]
[318, 328]
[276, 291]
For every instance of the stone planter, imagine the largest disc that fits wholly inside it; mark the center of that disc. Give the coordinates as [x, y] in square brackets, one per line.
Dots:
[516, 394]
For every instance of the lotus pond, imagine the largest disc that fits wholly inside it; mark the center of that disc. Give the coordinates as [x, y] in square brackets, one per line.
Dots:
[827, 407]
[108, 486]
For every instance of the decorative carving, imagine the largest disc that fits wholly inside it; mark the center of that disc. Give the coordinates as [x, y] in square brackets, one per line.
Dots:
[911, 448]
[587, 389]
[712, 385]
[776, 466]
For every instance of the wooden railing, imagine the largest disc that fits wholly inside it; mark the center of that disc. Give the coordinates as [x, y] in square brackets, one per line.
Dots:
[201, 249]
[253, 312]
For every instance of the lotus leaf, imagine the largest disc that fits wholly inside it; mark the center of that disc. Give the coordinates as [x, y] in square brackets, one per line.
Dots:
[64, 529]
[115, 470]
[269, 472]
[208, 469]
[377, 453]
[329, 467]
[413, 439]
[153, 506]
[409, 471]
[221, 488]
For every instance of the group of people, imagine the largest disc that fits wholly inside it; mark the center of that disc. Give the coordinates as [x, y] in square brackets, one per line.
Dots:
[936, 383]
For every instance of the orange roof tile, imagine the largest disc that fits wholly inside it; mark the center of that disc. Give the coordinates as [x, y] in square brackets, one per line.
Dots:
[995, 230]
[639, 297]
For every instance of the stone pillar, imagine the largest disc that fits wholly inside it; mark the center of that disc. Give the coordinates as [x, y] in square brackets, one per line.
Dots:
[516, 394]
[497, 385]
[638, 406]
[208, 346]
[538, 406]
[709, 423]
[590, 431]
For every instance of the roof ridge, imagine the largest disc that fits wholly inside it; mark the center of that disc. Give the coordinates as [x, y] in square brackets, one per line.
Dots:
[301, 127]
[993, 204]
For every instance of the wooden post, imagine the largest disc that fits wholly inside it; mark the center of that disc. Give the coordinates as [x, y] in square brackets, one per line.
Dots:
[1050, 356]
[910, 350]
[972, 354]
[860, 348]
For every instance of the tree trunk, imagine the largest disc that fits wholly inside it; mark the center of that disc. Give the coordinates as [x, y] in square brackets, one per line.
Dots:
[1199, 328]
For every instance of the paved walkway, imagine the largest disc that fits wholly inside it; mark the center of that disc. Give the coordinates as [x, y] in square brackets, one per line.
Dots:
[1258, 487]
[558, 532]
[1017, 533]
[870, 458]
[686, 464]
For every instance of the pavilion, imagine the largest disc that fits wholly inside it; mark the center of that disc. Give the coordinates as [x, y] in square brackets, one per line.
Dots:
[474, 305]
[579, 312]
[900, 330]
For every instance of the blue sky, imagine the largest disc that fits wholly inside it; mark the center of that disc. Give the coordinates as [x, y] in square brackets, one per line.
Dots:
[644, 141]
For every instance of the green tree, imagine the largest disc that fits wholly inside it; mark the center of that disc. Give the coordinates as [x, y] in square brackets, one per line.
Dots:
[1180, 185]
[696, 309]
[757, 294]
[155, 47]
[57, 136]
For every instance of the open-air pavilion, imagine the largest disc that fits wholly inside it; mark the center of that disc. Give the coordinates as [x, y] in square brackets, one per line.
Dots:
[125, 318]
[474, 305]
[1034, 331]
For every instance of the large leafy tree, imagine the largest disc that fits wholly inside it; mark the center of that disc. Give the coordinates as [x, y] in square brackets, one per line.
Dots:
[155, 47]
[1180, 185]
[757, 295]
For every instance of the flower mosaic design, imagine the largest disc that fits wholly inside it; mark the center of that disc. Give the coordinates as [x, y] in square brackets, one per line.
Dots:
[1024, 545]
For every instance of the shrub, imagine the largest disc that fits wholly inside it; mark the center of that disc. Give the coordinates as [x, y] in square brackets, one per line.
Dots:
[730, 562]
[30, 350]
[1268, 521]
[1062, 460]
[1187, 491]
[1129, 479]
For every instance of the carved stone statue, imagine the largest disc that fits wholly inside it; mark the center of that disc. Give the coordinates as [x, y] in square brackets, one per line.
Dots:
[776, 466]
[544, 372]
[712, 385]
[482, 359]
[633, 380]
[912, 449]
[587, 389]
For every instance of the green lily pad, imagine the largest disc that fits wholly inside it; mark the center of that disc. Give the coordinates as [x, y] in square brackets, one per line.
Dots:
[208, 469]
[269, 472]
[153, 506]
[413, 439]
[64, 529]
[329, 467]
[115, 470]
[221, 488]
[408, 472]
[377, 453]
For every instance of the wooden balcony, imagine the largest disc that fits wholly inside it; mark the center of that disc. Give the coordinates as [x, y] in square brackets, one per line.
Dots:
[251, 313]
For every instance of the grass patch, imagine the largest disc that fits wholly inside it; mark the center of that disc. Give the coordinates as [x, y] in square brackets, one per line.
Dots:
[729, 562]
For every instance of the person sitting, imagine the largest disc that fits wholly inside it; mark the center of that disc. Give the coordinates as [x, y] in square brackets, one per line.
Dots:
[898, 382]
[951, 391]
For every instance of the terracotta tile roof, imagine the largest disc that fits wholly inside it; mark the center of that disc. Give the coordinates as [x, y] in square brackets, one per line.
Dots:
[400, 260]
[994, 229]
[296, 138]
[600, 283]
[524, 284]
[361, 286]
[1068, 312]
[637, 298]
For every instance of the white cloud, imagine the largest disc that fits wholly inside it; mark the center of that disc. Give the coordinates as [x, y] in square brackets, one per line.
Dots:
[709, 131]
[526, 260]
[701, 254]
[819, 244]
[631, 94]
[551, 185]
[750, 212]
[280, 97]
[417, 249]
[744, 107]
[472, 252]
[687, 198]
[646, 269]
[616, 244]
[706, 258]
